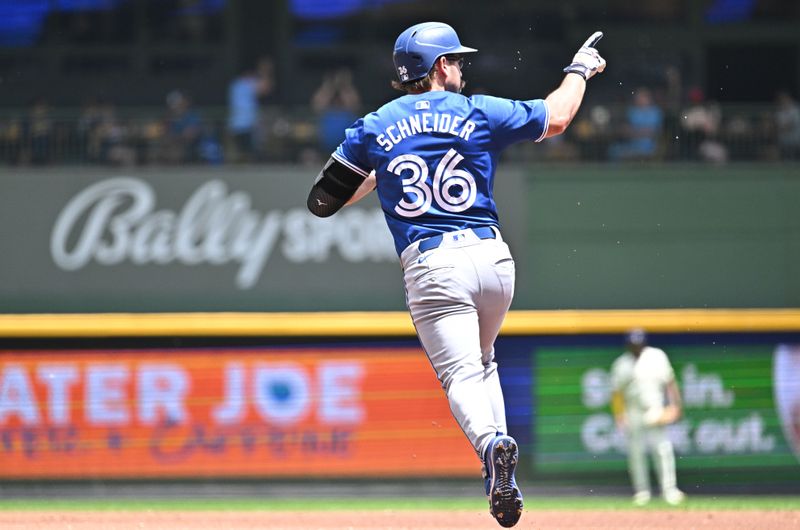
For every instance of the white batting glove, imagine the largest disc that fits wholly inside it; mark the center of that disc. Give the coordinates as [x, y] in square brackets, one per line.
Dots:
[587, 61]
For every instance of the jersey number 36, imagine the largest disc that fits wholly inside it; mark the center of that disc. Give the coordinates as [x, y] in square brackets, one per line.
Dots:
[454, 190]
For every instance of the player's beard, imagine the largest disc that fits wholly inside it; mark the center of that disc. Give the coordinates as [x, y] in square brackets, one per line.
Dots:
[456, 89]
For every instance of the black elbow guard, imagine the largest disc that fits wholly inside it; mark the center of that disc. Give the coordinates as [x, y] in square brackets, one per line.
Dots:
[335, 185]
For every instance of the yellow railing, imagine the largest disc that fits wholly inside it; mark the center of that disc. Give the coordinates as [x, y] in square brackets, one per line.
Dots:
[370, 324]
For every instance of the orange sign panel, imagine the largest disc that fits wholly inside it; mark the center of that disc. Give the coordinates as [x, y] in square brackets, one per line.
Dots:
[333, 412]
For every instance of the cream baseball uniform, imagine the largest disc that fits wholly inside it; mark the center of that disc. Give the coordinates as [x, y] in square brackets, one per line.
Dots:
[642, 382]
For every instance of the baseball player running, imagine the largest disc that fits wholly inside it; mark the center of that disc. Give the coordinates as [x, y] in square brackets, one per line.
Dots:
[646, 399]
[431, 154]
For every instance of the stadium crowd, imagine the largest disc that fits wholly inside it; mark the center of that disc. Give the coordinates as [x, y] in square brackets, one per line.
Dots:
[653, 125]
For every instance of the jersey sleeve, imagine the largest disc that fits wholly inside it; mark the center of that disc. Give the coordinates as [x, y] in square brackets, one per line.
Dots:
[352, 152]
[514, 121]
[667, 372]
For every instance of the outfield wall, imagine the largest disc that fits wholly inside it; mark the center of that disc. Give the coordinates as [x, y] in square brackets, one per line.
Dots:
[78, 239]
[191, 396]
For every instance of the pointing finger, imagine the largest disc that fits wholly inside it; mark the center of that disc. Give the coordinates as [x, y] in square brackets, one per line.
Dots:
[591, 41]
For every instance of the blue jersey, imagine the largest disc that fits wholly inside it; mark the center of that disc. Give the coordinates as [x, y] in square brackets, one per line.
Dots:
[434, 156]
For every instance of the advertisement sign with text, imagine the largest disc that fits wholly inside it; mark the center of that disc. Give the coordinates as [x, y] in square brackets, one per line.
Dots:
[731, 418]
[176, 239]
[326, 412]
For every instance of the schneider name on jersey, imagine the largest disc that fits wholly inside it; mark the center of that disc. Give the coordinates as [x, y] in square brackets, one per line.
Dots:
[425, 122]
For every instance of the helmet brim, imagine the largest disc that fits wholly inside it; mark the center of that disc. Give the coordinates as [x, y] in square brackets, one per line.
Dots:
[461, 50]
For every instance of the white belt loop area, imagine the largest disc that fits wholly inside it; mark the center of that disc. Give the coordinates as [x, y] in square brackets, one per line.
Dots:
[459, 238]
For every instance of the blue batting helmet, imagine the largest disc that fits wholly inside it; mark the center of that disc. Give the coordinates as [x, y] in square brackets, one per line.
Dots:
[418, 47]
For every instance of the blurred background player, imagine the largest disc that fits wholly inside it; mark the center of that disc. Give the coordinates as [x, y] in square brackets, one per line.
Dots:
[645, 400]
[432, 155]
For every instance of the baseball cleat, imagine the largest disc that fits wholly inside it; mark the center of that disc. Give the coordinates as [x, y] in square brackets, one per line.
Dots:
[505, 499]
[674, 497]
[641, 498]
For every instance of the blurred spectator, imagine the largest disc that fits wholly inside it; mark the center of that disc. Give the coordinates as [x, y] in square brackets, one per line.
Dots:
[103, 137]
[209, 148]
[642, 129]
[741, 133]
[88, 122]
[243, 108]
[113, 138]
[787, 121]
[149, 140]
[592, 132]
[182, 131]
[672, 103]
[39, 132]
[559, 148]
[336, 102]
[701, 121]
[10, 141]
[673, 92]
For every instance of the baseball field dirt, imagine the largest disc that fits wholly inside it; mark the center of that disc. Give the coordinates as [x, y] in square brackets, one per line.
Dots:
[396, 520]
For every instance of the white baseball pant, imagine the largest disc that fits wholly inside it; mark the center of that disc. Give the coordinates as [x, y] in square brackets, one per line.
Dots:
[642, 439]
[458, 295]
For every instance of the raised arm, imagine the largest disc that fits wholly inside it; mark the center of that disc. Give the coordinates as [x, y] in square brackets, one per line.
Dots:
[563, 103]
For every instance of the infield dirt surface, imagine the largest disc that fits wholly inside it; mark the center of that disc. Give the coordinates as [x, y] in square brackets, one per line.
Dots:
[396, 520]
